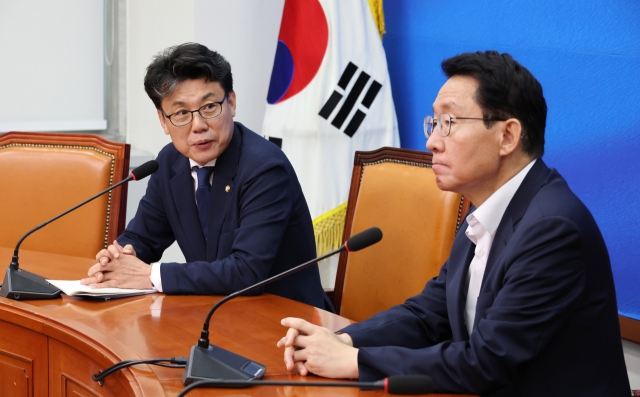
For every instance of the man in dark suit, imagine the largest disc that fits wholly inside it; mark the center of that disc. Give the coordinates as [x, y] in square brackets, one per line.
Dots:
[525, 305]
[229, 197]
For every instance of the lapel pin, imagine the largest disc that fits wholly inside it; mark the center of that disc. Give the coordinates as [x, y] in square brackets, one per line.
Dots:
[227, 189]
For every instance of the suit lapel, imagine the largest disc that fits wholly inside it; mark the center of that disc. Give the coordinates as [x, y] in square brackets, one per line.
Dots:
[535, 178]
[222, 191]
[459, 260]
[182, 188]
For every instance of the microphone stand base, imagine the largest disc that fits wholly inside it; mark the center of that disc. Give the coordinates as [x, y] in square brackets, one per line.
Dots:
[20, 284]
[215, 363]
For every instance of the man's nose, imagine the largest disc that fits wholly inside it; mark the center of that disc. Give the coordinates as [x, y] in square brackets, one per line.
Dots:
[198, 123]
[434, 142]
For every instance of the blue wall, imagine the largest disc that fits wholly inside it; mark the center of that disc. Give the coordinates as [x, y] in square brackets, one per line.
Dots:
[586, 55]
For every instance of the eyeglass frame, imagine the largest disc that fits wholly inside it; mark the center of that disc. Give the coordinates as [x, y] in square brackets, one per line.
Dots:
[451, 118]
[197, 110]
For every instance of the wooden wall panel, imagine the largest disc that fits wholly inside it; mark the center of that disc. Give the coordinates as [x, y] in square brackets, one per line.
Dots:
[70, 374]
[23, 361]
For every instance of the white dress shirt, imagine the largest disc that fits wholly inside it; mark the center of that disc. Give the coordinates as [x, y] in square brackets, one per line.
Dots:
[483, 223]
[156, 278]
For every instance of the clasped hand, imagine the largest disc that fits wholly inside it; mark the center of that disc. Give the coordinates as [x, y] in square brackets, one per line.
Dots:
[118, 267]
[309, 348]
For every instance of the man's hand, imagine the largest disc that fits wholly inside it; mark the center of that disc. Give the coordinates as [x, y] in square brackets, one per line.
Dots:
[310, 348]
[118, 267]
[113, 251]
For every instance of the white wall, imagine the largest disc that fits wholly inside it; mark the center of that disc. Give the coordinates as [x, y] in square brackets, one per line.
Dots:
[44, 84]
[152, 26]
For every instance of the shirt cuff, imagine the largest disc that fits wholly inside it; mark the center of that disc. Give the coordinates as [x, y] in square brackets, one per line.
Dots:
[156, 278]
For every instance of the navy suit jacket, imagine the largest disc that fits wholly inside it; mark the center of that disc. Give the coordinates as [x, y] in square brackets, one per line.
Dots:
[259, 224]
[546, 320]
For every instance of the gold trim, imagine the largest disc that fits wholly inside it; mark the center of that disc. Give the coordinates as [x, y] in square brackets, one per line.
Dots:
[328, 229]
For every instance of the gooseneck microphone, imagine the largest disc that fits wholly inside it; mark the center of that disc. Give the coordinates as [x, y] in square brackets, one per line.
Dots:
[207, 362]
[397, 384]
[20, 284]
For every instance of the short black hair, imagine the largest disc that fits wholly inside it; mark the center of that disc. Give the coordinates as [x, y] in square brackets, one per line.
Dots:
[184, 62]
[506, 89]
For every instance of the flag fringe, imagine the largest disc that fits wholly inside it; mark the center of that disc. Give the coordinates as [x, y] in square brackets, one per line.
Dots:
[377, 11]
[328, 229]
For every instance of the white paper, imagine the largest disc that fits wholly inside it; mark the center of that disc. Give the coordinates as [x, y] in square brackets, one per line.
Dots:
[73, 287]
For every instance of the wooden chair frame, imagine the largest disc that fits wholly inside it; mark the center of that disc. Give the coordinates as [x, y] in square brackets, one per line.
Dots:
[629, 328]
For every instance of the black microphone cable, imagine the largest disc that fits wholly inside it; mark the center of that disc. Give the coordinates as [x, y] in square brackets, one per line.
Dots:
[395, 384]
[171, 362]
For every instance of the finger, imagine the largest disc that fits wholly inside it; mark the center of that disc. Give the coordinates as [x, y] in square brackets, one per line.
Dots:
[290, 337]
[128, 249]
[103, 253]
[301, 325]
[88, 281]
[300, 355]
[288, 358]
[105, 284]
[301, 341]
[301, 368]
[281, 342]
[114, 251]
[97, 268]
[108, 283]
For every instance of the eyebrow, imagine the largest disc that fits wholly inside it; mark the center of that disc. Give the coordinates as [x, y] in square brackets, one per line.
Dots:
[205, 97]
[451, 105]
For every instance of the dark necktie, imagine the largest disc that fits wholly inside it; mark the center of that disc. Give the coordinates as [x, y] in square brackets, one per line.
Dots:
[203, 195]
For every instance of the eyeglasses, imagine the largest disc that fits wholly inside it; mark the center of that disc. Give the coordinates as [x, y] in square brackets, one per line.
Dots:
[184, 117]
[443, 123]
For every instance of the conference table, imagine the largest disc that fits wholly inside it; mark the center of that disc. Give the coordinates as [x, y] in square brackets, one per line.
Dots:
[52, 347]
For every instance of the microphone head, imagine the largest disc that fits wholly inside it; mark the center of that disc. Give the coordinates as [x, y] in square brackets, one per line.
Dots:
[409, 384]
[363, 239]
[145, 170]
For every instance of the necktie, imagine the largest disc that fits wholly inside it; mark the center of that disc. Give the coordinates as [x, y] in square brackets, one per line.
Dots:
[203, 195]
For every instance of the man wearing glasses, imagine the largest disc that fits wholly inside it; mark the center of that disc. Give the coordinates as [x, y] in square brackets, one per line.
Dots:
[525, 305]
[229, 197]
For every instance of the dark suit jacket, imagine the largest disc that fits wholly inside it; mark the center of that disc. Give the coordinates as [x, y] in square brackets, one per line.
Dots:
[546, 320]
[257, 229]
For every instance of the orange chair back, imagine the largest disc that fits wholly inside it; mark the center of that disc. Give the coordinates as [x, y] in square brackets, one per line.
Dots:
[395, 190]
[44, 174]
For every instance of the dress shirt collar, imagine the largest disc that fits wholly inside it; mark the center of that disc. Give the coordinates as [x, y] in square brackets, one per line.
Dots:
[211, 163]
[490, 213]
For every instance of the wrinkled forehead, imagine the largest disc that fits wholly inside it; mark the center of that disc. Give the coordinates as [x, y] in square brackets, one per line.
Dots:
[458, 94]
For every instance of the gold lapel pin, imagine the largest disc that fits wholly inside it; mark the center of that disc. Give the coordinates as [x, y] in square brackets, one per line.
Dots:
[227, 189]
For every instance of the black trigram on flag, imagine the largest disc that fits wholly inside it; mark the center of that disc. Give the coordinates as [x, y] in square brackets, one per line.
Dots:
[352, 96]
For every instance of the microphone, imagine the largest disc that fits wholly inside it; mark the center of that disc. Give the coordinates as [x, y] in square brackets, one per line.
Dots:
[207, 362]
[396, 384]
[20, 284]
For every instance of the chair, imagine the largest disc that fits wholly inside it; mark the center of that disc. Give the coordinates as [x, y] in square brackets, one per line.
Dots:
[44, 174]
[394, 189]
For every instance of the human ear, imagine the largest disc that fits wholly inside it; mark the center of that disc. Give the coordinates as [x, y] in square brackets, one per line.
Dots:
[163, 122]
[231, 98]
[511, 136]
